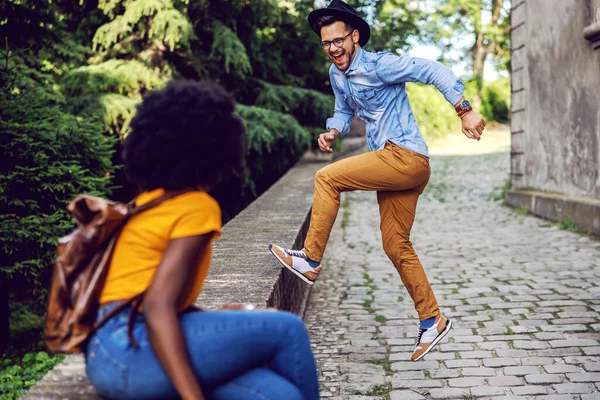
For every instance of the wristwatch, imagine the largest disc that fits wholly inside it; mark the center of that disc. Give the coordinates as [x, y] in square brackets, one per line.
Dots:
[463, 107]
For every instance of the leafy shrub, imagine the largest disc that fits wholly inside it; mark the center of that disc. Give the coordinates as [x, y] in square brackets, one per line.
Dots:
[496, 99]
[18, 374]
[128, 78]
[276, 142]
[435, 116]
[49, 157]
[309, 107]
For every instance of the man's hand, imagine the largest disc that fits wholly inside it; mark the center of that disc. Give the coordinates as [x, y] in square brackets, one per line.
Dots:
[326, 140]
[473, 125]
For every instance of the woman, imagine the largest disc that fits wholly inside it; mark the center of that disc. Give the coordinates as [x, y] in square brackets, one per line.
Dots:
[187, 138]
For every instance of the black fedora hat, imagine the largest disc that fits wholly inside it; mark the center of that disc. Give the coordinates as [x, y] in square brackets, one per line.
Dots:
[337, 8]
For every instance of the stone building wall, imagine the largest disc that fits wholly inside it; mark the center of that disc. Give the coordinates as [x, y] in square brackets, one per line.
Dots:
[556, 96]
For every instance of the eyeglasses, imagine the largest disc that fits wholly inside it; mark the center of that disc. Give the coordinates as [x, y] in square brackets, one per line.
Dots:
[338, 42]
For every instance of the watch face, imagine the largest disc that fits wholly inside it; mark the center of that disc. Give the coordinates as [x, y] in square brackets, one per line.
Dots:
[465, 104]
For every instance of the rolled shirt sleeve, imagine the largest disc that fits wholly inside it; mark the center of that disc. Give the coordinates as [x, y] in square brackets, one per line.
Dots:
[394, 69]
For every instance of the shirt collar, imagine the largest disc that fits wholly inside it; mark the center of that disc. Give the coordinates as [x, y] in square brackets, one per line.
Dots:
[356, 61]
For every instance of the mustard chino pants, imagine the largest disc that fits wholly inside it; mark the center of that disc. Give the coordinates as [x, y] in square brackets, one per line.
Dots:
[399, 176]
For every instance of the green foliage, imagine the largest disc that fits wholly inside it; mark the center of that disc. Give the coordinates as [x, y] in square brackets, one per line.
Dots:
[229, 51]
[127, 78]
[275, 142]
[114, 110]
[163, 21]
[18, 375]
[395, 22]
[482, 25]
[435, 116]
[309, 107]
[496, 99]
[49, 157]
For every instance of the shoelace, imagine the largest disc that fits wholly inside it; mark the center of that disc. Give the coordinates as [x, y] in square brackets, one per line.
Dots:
[296, 253]
[421, 331]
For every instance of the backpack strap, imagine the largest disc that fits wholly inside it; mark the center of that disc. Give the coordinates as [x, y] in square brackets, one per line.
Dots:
[134, 210]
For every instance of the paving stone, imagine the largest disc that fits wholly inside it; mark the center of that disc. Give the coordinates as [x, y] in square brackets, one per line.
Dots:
[592, 367]
[408, 375]
[543, 378]
[416, 383]
[521, 371]
[536, 361]
[448, 393]
[465, 382]
[481, 371]
[412, 366]
[505, 381]
[461, 363]
[529, 390]
[574, 388]
[486, 391]
[530, 344]
[444, 373]
[572, 343]
[584, 377]
[593, 396]
[405, 395]
[475, 354]
[499, 362]
[561, 368]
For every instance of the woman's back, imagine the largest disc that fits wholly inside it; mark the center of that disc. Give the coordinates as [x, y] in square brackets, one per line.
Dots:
[145, 237]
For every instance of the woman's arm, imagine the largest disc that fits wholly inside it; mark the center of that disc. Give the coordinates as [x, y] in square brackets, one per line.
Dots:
[168, 286]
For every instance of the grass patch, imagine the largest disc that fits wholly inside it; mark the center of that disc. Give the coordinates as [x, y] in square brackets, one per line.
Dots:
[372, 289]
[386, 364]
[570, 226]
[509, 331]
[499, 193]
[24, 362]
[523, 210]
[381, 318]
[367, 306]
[346, 216]
[378, 390]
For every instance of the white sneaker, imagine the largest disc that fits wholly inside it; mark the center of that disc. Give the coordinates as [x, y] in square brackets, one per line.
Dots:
[429, 337]
[297, 262]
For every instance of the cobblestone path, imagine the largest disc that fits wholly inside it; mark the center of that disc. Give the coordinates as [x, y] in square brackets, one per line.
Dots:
[524, 296]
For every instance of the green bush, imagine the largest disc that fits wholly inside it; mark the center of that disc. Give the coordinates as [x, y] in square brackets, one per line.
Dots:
[276, 141]
[48, 158]
[435, 116]
[18, 374]
[127, 78]
[309, 107]
[495, 100]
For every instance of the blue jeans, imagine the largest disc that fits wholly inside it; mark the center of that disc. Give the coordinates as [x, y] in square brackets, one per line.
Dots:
[241, 355]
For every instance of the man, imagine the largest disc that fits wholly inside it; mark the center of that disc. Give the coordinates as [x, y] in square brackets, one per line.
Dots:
[372, 86]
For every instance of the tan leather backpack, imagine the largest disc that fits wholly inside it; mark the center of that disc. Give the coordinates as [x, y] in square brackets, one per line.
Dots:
[80, 269]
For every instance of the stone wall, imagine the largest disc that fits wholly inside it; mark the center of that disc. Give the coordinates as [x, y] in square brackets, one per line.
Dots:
[556, 103]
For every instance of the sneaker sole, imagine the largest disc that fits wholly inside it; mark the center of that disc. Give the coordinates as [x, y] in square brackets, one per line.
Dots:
[297, 273]
[437, 339]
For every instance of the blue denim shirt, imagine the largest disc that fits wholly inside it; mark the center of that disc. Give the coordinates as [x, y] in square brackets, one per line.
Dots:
[373, 87]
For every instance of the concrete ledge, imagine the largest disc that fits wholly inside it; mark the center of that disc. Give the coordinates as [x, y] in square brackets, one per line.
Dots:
[243, 270]
[582, 211]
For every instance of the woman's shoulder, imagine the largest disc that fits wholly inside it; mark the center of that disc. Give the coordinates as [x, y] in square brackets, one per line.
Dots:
[194, 200]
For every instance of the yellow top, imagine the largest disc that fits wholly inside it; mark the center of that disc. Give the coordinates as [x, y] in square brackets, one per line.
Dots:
[144, 239]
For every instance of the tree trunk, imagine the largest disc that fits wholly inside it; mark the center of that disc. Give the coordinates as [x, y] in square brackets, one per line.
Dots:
[4, 315]
[479, 53]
